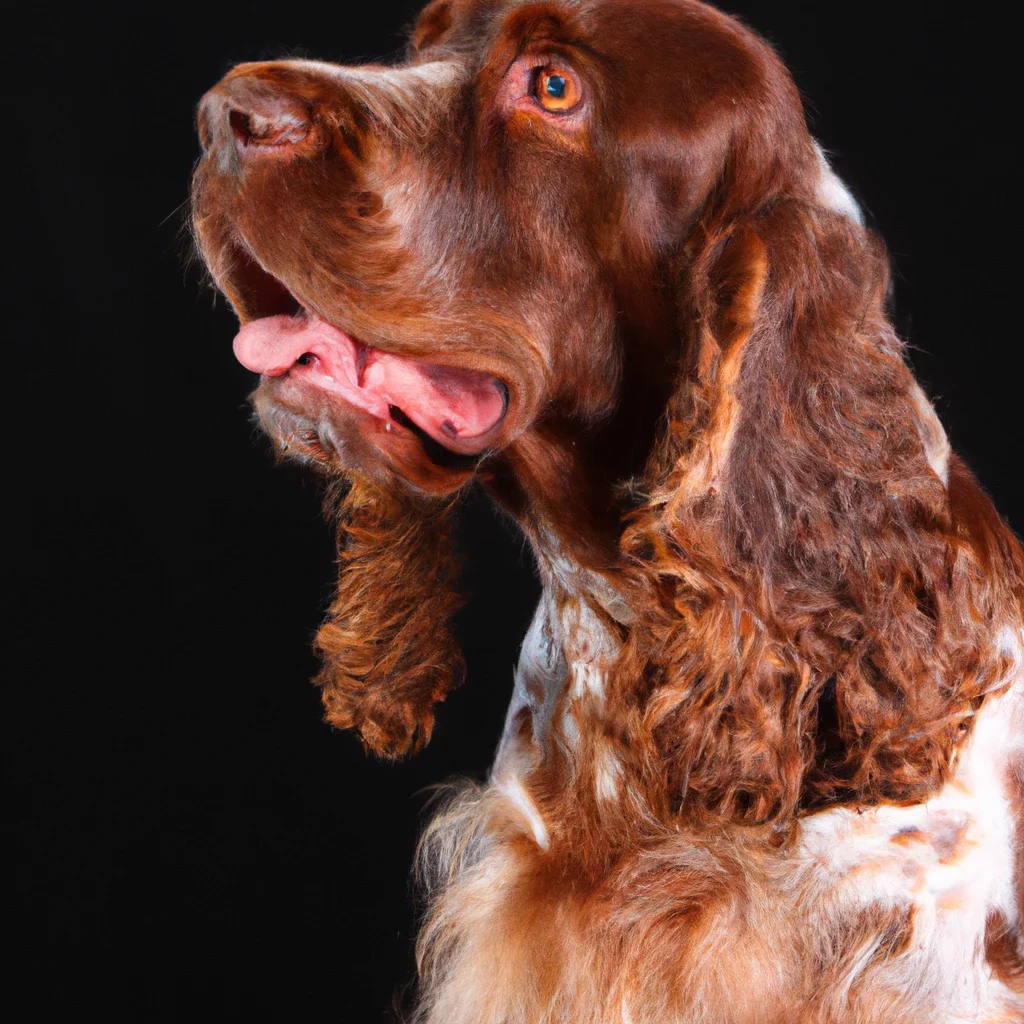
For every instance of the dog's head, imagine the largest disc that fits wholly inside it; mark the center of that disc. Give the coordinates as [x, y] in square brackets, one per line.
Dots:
[433, 260]
[589, 252]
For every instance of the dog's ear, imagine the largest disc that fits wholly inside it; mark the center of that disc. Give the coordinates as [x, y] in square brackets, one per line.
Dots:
[799, 577]
[388, 652]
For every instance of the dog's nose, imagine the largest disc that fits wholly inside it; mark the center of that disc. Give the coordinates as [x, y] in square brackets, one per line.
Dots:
[254, 117]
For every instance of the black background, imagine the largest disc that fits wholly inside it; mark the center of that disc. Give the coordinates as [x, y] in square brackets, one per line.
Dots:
[189, 838]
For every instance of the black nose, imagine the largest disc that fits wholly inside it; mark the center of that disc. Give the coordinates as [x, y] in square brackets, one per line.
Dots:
[254, 117]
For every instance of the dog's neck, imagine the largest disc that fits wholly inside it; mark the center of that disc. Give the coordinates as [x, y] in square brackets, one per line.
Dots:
[567, 480]
[566, 655]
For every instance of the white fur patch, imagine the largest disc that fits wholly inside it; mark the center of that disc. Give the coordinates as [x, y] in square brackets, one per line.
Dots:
[539, 678]
[933, 434]
[949, 860]
[608, 775]
[832, 191]
[513, 789]
[589, 649]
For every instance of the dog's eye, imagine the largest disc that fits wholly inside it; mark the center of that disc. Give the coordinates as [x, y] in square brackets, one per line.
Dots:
[555, 88]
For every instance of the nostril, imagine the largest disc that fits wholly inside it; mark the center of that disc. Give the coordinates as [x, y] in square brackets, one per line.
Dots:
[240, 128]
[280, 128]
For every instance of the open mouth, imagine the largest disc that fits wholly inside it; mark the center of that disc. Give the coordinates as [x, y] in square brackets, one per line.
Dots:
[456, 408]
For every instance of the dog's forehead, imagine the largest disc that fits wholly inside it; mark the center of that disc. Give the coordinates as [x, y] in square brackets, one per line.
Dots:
[477, 23]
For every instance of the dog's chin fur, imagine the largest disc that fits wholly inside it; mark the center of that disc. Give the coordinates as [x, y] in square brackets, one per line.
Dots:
[387, 649]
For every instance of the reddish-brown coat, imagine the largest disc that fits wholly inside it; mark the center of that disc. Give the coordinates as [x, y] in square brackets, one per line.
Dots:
[710, 410]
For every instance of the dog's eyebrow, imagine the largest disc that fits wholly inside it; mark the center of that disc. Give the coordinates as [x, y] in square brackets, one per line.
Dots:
[538, 33]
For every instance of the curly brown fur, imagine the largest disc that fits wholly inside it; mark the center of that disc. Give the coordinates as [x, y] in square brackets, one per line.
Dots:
[763, 763]
[797, 551]
[387, 650]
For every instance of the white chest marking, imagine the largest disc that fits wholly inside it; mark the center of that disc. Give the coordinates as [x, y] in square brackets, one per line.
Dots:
[949, 860]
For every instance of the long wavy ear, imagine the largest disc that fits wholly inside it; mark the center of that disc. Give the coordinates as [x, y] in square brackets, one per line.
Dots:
[387, 648]
[814, 625]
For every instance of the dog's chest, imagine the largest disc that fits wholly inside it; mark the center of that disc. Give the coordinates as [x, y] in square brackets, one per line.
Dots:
[939, 875]
[949, 867]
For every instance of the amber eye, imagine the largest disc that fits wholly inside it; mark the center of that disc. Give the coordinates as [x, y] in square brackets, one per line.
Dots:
[555, 88]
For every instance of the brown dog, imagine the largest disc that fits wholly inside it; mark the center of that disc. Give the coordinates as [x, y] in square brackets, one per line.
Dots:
[764, 761]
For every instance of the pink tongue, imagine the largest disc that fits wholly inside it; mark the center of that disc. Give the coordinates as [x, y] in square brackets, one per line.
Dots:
[446, 402]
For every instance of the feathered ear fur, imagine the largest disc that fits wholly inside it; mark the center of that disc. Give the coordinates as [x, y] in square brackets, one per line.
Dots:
[814, 626]
[388, 653]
